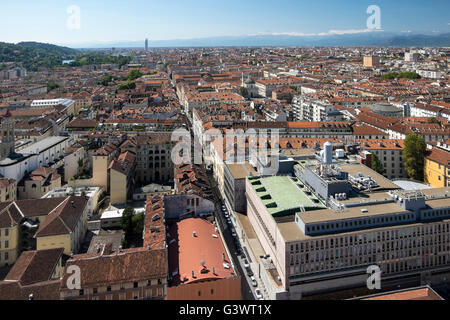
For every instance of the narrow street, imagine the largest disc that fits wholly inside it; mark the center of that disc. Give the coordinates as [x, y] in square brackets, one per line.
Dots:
[247, 291]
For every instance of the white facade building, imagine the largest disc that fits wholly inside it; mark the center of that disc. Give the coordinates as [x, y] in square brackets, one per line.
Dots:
[35, 156]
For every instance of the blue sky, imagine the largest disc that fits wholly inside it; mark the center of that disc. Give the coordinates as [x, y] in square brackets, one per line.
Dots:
[130, 20]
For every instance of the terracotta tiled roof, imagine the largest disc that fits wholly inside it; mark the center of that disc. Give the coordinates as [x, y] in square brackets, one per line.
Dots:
[187, 252]
[35, 266]
[41, 291]
[106, 268]
[440, 156]
[64, 218]
[414, 294]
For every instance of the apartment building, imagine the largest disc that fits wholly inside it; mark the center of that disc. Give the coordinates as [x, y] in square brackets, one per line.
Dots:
[36, 275]
[43, 153]
[199, 265]
[314, 250]
[199, 100]
[153, 157]
[390, 154]
[371, 61]
[64, 227]
[31, 214]
[121, 172]
[437, 168]
[267, 86]
[314, 110]
[133, 274]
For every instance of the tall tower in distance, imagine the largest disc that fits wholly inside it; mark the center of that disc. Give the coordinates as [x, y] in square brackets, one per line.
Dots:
[146, 44]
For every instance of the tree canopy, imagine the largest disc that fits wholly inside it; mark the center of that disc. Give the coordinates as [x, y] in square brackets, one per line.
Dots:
[134, 74]
[377, 165]
[414, 156]
[401, 75]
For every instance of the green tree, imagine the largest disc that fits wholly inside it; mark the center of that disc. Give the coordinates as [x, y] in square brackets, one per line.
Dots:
[134, 74]
[106, 80]
[377, 166]
[126, 222]
[433, 120]
[51, 86]
[413, 156]
[138, 223]
[130, 85]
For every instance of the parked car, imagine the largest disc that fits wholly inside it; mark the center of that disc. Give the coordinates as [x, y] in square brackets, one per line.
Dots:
[254, 283]
[249, 272]
[233, 232]
[246, 264]
[229, 221]
[258, 294]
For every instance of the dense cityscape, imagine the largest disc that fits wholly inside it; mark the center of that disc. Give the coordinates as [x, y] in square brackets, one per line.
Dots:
[224, 173]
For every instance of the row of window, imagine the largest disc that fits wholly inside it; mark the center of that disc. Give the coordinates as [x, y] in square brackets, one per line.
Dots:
[5, 232]
[392, 266]
[404, 233]
[6, 245]
[359, 223]
[386, 251]
[6, 255]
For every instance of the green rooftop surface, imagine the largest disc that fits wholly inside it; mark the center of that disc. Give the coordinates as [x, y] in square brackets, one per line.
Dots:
[284, 196]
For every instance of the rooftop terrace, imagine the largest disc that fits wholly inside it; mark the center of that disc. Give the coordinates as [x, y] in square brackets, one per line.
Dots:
[284, 195]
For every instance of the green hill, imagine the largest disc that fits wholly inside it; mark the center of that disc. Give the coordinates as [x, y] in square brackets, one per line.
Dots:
[34, 55]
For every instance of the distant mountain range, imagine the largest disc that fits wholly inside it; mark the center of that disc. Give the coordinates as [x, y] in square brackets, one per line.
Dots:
[378, 39]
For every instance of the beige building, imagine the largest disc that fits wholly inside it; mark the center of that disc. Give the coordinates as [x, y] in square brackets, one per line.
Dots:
[121, 172]
[75, 160]
[36, 275]
[390, 154]
[8, 190]
[371, 61]
[153, 157]
[133, 274]
[65, 227]
[12, 214]
[38, 183]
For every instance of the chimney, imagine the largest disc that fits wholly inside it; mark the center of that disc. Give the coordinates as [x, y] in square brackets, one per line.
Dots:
[107, 249]
[193, 275]
[223, 256]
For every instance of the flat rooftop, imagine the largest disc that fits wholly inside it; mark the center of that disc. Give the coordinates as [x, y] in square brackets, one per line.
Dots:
[42, 145]
[241, 170]
[425, 293]
[283, 195]
[354, 169]
[351, 213]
